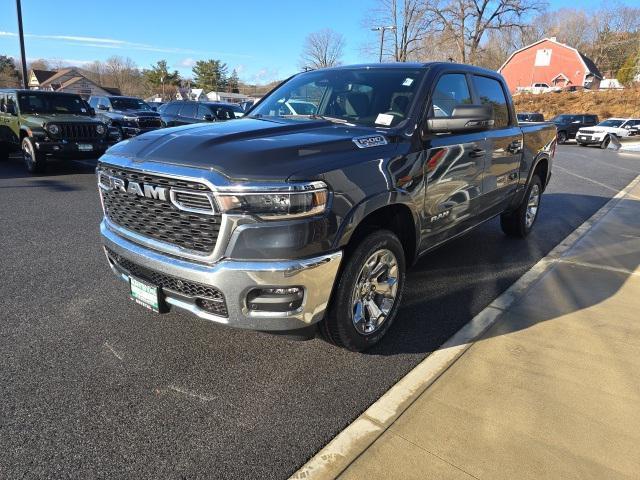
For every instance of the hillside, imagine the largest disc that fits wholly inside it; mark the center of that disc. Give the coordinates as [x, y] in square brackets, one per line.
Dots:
[614, 103]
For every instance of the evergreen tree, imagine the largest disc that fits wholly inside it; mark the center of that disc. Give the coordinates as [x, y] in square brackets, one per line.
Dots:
[210, 75]
[629, 69]
[233, 83]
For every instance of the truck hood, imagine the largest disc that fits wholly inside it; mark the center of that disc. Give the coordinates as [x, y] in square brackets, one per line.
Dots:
[255, 149]
[44, 118]
[136, 113]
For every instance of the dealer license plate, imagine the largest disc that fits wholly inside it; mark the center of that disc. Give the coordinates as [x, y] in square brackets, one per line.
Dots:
[85, 147]
[145, 294]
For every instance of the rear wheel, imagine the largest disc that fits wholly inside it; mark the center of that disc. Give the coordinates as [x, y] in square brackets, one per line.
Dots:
[562, 137]
[368, 293]
[519, 223]
[34, 161]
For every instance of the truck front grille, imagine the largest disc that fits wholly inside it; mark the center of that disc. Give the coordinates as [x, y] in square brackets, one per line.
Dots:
[206, 297]
[79, 131]
[586, 132]
[149, 122]
[159, 219]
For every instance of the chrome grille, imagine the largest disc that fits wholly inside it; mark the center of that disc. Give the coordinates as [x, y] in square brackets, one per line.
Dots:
[78, 131]
[585, 132]
[158, 219]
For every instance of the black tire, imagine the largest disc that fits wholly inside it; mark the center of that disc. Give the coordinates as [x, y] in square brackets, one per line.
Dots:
[516, 223]
[605, 142]
[562, 137]
[338, 326]
[33, 160]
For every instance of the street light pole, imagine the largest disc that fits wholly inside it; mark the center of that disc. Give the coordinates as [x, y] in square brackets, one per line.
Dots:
[382, 30]
[22, 54]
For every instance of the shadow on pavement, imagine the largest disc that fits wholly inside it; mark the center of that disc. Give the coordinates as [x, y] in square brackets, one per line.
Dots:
[13, 167]
[449, 286]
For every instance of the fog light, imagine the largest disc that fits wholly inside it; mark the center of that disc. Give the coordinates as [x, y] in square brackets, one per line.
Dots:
[275, 299]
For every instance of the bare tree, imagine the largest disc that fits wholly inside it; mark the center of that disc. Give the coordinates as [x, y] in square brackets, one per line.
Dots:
[406, 39]
[323, 48]
[468, 21]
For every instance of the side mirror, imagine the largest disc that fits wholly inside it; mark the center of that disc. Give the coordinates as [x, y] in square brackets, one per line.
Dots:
[102, 107]
[465, 118]
[208, 118]
[92, 111]
[10, 108]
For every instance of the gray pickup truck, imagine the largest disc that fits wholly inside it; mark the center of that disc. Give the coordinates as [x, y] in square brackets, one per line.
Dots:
[287, 222]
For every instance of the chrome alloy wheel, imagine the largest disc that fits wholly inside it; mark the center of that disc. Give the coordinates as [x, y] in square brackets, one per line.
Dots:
[375, 291]
[532, 205]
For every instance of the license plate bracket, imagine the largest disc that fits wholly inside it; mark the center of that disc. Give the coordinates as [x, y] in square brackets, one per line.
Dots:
[146, 295]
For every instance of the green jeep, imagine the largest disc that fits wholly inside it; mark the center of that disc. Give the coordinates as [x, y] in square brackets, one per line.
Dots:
[49, 124]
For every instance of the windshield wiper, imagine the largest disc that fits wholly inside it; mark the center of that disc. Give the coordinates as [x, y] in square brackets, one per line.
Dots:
[316, 116]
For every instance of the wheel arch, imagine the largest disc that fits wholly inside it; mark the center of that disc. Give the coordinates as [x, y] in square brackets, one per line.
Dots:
[379, 213]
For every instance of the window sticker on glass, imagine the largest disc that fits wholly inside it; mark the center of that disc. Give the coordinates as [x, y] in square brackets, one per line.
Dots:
[384, 119]
[407, 82]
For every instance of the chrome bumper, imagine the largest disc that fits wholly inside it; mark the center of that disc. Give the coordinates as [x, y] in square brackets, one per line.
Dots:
[236, 278]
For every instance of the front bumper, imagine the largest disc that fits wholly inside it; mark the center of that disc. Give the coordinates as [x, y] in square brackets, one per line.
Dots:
[234, 279]
[72, 149]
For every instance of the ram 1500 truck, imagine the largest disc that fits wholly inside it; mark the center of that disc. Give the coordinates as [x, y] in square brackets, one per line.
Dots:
[281, 221]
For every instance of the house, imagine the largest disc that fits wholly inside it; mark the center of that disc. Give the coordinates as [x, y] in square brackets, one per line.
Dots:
[227, 97]
[551, 62]
[67, 80]
[196, 94]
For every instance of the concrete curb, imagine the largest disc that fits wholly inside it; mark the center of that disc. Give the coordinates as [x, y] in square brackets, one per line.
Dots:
[350, 443]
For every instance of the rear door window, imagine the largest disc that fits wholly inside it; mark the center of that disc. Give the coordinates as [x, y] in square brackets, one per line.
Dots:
[490, 92]
[202, 112]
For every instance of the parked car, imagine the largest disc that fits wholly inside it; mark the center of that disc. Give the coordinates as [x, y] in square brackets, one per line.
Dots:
[530, 117]
[246, 105]
[49, 124]
[279, 222]
[130, 116]
[538, 88]
[569, 124]
[155, 105]
[601, 134]
[186, 112]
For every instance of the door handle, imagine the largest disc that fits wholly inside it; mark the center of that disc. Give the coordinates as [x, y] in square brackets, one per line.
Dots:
[477, 153]
[514, 147]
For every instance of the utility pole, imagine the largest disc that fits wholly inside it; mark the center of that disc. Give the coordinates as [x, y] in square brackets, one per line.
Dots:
[22, 54]
[382, 30]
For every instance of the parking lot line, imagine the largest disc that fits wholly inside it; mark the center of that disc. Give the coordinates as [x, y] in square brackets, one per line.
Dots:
[582, 177]
[350, 443]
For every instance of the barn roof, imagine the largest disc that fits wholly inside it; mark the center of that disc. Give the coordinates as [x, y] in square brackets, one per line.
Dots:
[586, 61]
[43, 75]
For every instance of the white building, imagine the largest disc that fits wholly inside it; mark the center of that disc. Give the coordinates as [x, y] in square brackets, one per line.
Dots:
[227, 97]
[610, 84]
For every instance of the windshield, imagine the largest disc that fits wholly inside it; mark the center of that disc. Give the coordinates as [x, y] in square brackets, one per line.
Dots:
[52, 103]
[380, 97]
[611, 123]
[124, 103]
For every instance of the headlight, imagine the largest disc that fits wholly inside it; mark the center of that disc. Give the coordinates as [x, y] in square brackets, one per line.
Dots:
[129, 119]
[286, 202]
[53, 129]
[100, 129]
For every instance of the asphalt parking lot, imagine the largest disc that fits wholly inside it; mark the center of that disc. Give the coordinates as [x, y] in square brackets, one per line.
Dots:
[93, 386]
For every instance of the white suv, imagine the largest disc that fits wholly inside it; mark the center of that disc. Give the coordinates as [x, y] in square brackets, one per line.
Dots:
[601, 133]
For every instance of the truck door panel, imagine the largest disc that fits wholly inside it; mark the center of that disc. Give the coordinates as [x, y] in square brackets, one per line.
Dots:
[504, 145]
[454, 165]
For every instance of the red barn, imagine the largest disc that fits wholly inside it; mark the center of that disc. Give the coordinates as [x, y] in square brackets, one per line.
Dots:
[551, 62]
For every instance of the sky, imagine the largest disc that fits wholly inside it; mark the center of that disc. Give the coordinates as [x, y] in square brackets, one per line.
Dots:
[261, 39]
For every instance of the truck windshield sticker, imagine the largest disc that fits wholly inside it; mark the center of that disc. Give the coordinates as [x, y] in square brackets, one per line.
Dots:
[407, 82]
[384, 119]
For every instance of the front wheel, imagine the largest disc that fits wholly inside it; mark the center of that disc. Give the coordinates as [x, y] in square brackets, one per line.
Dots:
[605, 142]
[562, 138]
[520, 222]
[34, 161]
[367, 294]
